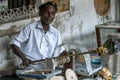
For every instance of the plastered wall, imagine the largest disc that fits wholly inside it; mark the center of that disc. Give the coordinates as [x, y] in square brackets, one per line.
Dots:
[77, 27]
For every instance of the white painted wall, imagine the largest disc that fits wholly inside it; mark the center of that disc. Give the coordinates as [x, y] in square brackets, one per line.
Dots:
[77, 26]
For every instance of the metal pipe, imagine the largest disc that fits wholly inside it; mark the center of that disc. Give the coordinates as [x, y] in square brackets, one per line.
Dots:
[81, 53]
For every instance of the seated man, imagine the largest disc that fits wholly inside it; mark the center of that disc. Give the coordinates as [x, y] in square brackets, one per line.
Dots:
[38, 40]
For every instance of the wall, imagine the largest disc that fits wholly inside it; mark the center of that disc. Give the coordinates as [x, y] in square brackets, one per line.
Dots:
[77, 28]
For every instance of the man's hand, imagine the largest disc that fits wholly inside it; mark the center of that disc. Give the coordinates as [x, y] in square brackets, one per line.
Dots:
[27, 62]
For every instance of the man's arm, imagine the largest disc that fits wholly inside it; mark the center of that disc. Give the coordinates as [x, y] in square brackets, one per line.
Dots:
[20, 54]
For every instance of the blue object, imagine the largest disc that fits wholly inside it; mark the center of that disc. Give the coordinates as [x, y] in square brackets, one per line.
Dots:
[40, 76]
[96, 61]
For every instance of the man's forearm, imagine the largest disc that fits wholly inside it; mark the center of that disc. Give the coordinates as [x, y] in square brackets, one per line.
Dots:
[17, 51]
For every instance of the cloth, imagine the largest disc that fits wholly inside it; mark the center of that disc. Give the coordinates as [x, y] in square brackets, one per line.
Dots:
[36, 44]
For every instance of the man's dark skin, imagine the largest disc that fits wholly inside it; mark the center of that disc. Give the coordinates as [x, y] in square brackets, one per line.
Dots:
[47, 15]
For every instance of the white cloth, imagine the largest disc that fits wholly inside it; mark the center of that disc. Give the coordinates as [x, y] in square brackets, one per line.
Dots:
[35, 44]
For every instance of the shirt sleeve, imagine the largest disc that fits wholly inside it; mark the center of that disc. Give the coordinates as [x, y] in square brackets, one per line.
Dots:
[59, 47]
[21, 37]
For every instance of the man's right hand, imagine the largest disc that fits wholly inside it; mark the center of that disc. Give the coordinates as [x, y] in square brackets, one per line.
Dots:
[27, 62]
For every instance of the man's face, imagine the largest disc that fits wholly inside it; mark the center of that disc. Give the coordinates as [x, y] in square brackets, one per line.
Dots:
[48, 14]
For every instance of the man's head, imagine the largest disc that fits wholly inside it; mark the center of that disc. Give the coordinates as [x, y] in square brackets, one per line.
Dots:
[47, 12]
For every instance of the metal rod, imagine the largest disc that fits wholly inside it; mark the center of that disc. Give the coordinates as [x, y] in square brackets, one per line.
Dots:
[81, 53]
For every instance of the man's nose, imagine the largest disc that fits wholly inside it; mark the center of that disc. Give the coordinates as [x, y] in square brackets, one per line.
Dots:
[51, 15]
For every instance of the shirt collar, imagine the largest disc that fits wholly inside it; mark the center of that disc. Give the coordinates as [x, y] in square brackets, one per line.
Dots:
[39, 25]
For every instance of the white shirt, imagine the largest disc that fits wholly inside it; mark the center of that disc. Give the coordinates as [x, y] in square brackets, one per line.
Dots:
[35, 44]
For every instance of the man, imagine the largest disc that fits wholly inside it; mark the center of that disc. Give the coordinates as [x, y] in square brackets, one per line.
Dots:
[38, 40]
